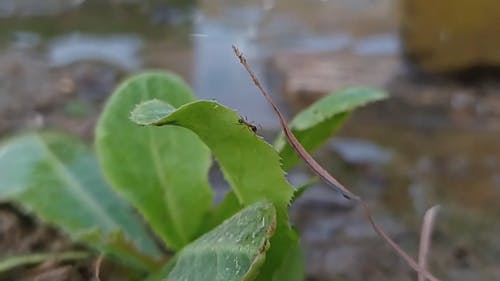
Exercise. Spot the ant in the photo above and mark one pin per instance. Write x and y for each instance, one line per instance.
(250, 125)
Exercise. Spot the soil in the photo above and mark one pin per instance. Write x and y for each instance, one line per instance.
(20, 235)
(67, 99)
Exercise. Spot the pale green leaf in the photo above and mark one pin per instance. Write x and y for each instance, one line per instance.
(58, 179)
(30, 259)
(233, 251)
(316, 124)
(162, 172)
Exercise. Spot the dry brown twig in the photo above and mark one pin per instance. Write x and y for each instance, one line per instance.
(325, 176)
(425, 239)
(97, 267)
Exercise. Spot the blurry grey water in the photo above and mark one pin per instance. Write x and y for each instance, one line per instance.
(206, 32)
(118, 50)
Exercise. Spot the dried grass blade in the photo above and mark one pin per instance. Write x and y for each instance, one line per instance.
(425, 239)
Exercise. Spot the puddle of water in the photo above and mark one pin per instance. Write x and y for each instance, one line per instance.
(218, 75)
(259, 28)
(117, 50)
(25, 39)
(29, 8)
(378, 45)
(360, 152)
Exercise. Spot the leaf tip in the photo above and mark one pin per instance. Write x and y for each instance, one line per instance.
(150, 112)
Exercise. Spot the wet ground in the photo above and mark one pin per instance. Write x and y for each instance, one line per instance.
(434, 142)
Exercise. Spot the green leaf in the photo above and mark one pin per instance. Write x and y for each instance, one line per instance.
(287, 259)
(249, 164)
(303, 188)
(57, 178)
(316, 124)
(160, 274)
(233, 251)
(292, 266)
(162, 172)
(16, 261)
(229, 206)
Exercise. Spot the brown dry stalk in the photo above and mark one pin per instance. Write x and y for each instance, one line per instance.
(97, 267)
(294, 142)
(425, 238)
(325, 176)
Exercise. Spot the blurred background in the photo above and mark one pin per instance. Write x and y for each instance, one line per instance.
(435, 141)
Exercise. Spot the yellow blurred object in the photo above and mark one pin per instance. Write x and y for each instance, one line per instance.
(451, 35)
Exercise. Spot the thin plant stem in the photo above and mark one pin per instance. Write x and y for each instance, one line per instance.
(325, 176)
